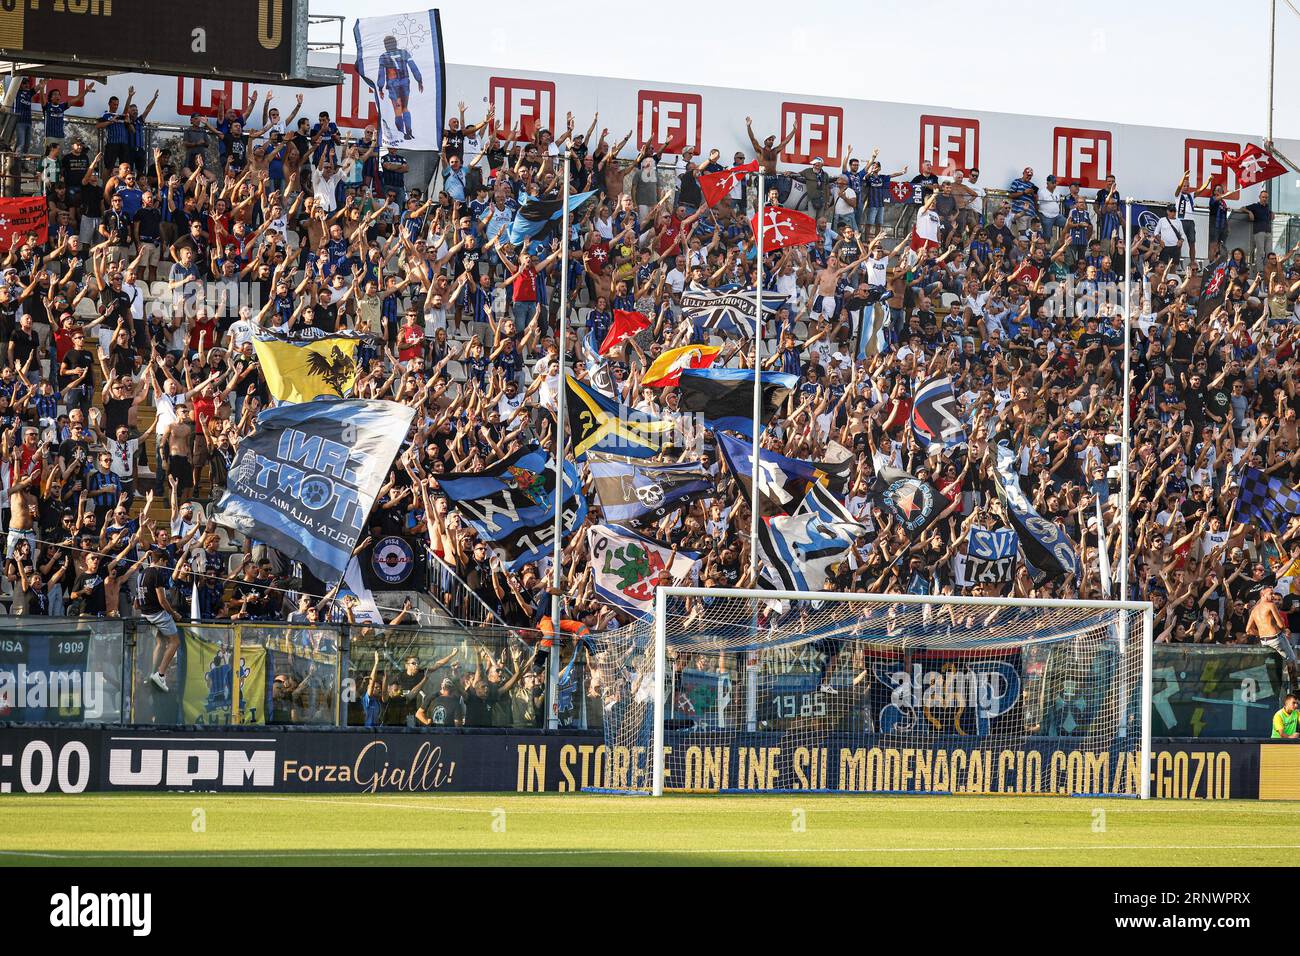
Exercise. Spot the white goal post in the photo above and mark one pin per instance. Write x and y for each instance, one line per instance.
(878, 693)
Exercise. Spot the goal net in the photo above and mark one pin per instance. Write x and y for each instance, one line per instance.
(770, 691)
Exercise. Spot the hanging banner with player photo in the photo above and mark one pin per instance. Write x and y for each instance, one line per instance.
(991, 556)
(400, 58)
(210, 674)
(305, 481)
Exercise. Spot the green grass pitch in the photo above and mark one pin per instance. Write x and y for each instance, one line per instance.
(486, 829)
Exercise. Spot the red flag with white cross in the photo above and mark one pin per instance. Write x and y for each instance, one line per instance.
(717, 186)
(784, 227)
(1255, 165)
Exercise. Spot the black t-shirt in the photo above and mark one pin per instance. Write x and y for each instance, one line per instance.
(24, 343)
(153, 579)
(93, 601)
(149, 219)
(78, 359)
(453, 142)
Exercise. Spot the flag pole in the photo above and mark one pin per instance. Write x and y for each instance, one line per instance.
(1125, 394)
(553, 659)
(751, 668)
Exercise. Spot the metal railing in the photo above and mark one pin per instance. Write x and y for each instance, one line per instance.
(97, 671)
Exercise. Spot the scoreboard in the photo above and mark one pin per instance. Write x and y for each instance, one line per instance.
(262, 40)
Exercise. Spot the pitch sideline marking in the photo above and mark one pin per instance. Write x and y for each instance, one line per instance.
(258, 854)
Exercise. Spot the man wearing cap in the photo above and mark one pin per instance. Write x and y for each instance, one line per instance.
(1050, 213)
(815, 184)
(1170, 233)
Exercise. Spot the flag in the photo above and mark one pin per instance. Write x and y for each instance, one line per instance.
(302, 371)
(1254, 165)
(666, 370)
(799, 551)
(991, 556)
(597, 423)
(210, 674)
(725, 396)
(400, 59)
(1266, 501)
(196, 612)
(925, 231)
(631, 490)
(935, 421)
(1214, 285)
(536, 215)
(364, 608)
(23, 216)
(626, 567)
(511, 504)
(781, 480)
(717, 186)
(784, 227)
(913, 503)
(304, 482)
(1103, 554)
(625, 325)
(1047, 547)
(727, 311)
(599, 375)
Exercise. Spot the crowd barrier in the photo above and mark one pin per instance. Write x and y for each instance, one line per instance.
(93, 671)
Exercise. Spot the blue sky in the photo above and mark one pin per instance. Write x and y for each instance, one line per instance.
(1182, 64)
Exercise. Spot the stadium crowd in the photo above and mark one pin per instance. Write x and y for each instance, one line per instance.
(131, 378)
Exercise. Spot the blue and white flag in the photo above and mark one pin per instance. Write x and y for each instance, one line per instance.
(535, 216)
(1047, 548)
(725, 396)
(1266, 501)
(781, 480)
(305, 481)
(798, 551)
(631, 490)
(991, 556)
(936, 422)
(724, 312)
(400, 59)
(512, 504)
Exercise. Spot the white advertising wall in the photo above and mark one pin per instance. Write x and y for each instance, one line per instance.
(1146, 160)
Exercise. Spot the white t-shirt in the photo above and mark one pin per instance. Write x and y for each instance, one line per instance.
(877, 271)
(842, 208)
(1049, 204)
(167, 408)
(676, 280)
(240, 331)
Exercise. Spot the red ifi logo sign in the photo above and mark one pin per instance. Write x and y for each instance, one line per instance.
(210, 97)
(526, 104)
(354, 103)
(1082, 156)
(1208, 159)
(950, 142)
(818, 131)
(670, 121)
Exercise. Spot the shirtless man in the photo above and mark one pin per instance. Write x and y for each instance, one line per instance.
(824, 283)
(767, 151)
(178, 439)
(23, 509)
(1269, 624)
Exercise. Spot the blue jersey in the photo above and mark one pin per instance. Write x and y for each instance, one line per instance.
(54, 119)
(877, 191)
(23, 105)
(115, 131)
(396, 69)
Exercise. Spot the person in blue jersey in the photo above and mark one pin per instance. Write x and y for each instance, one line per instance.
(396, 68)
(112, 125)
